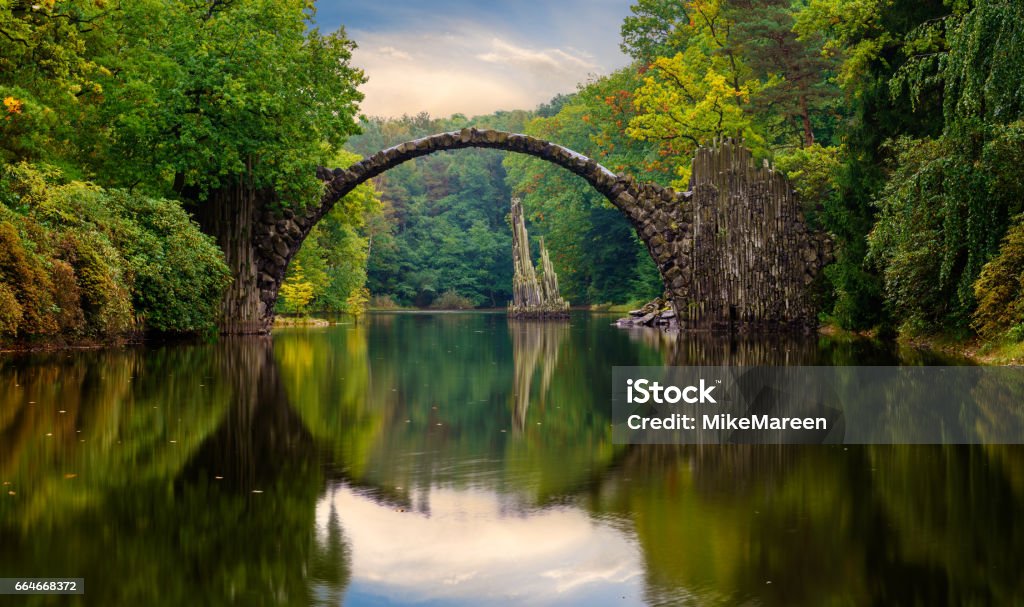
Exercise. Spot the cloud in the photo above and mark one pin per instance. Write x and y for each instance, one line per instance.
(552, 59)
(391, 51)
(464, 67)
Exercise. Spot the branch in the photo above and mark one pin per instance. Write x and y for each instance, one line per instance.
(13, 39)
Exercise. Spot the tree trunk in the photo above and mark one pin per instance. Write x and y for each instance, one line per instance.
(805, 117)
(229, 215)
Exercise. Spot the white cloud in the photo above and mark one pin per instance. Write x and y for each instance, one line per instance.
(548, 59)
(391, 51)
(463, 68)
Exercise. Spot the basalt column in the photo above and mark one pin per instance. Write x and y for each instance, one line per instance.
(751, 256)
(532, 298)
(230, 216)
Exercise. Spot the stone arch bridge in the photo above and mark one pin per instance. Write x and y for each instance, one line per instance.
(733, 252)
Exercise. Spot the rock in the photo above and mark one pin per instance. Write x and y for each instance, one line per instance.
(280, 247)
(645, 319)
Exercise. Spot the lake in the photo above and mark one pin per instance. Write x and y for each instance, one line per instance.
(463, 459)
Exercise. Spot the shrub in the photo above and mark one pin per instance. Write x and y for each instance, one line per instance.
(179, 272)
(450, 300)
(1000, 290)
(79, 260)
(27, 284)
(383, 302)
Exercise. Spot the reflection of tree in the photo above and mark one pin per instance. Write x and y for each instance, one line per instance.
(857, 525)
(78, 426)
(437, 386)
(1000, 395)
(535, 345)
(159, 527)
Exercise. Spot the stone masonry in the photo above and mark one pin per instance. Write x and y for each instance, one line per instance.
(733, 252)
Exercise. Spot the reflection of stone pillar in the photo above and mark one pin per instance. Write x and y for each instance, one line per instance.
(532, 298)
(701, 348)
(533, 345)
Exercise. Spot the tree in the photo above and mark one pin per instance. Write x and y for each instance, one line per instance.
(49, 74)
(734, 68)
(958, 191)
(656, 28)
(867, 39)
(229, 106)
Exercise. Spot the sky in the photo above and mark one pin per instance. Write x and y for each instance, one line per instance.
(475, 57)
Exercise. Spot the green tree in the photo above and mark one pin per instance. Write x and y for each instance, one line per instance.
(229, 106)
(867, 39)
(594, 249)
(955, 193)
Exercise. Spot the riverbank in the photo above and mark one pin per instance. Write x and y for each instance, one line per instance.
(53, 345)
(300, 321)
(974, 349)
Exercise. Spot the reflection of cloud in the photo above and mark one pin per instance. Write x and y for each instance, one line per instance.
(463, 68)
(474, 548)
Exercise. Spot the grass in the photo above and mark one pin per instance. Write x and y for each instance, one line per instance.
(623, 308)
(299, 321)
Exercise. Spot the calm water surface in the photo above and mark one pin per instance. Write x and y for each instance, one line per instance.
(458, 459)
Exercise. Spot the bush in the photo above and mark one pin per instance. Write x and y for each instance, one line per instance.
(80, 261)
(27, 289)
(1000, 290)
(450, 300)
(179, 272)
(383, 302)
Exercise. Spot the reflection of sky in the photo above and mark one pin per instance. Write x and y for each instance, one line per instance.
(449, 56)
(473, 549)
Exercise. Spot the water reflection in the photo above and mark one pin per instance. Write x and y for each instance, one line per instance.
(473, 547)
(535, 347)
(184, 478)
(399, 462)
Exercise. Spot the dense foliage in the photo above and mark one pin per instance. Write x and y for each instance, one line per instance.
(329, 272)
(78, 261)
(443, 226)
(950, 198)
(150, 101)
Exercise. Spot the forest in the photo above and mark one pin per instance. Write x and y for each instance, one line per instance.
(899, 122)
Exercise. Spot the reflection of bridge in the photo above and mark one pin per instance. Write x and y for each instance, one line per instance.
(733, 251)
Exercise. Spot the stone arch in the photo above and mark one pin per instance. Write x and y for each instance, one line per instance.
(278, 238)
(674, 227)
